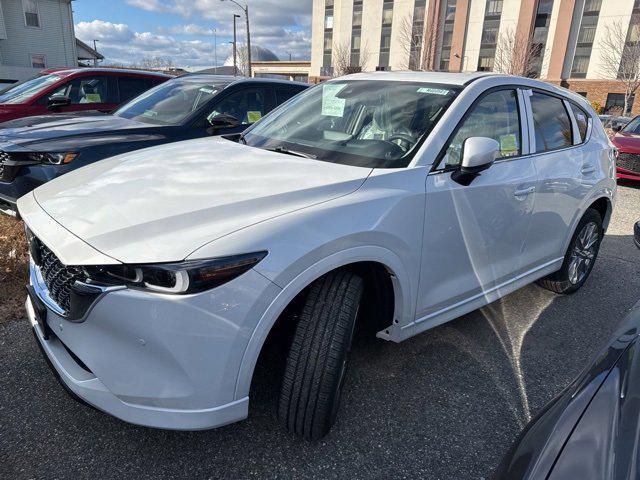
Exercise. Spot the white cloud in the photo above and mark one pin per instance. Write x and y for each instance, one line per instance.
(119, 44)
(280, 25)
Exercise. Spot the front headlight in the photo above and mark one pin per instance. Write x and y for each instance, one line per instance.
(61, 158)
(191, 276)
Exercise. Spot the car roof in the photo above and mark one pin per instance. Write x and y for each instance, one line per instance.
(448, 78)
(230, 79)
(66, 71)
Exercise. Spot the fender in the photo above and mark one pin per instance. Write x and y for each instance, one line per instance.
(602, 192)
(404, 302)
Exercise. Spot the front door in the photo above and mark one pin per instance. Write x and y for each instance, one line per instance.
(474, 235)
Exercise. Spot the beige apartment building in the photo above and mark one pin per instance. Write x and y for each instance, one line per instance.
(468, 35)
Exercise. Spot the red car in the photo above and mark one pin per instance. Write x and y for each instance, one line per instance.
(627, 141)
(74, 90)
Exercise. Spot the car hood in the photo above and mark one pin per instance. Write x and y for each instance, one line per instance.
(160, 204)
(627, 142)
(50, 132)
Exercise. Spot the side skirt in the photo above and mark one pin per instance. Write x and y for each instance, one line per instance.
(398, 334)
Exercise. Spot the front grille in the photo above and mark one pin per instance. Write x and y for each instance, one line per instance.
(58, 278)
(629, 161)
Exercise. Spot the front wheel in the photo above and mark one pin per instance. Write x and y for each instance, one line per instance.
(580, 256)
(317, 360)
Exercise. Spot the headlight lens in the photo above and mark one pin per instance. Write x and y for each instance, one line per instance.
(191, 276)
(53, 158)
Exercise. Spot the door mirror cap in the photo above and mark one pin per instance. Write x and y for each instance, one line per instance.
(479, 153)
(223, 120)
(57, 101)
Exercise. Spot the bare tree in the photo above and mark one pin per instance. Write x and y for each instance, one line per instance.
(156, 63)
(620, 56)
(346, 61)
(242, 59)
(418, 43)
(516, 54)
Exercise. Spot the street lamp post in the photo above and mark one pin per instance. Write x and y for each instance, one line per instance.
(215, 49)
(95, 47)
(245, 9)
(235, 43)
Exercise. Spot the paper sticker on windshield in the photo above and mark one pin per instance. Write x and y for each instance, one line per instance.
(207, 90)
(433, 91)
(93, 97)
(254, 116)
(508, 144)
(331, 105)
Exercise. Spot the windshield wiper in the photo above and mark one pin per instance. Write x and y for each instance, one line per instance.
(295, 153)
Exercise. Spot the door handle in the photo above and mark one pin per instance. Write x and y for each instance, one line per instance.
(524, 192)
(587, 169)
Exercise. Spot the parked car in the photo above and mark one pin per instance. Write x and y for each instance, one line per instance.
(590, 431)
(627, 141)
(402, 200)
(36, 150)
(66, 90)
(616, 123)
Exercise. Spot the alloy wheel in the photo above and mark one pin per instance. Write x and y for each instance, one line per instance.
(584, 252)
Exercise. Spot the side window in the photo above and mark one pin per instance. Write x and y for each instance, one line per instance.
(85, 90)
(582, 119)
(284, 94)
(495, 116)
(130, 87)
(551, 122)
(248, 106)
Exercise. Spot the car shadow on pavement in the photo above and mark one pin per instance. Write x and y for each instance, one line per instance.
(447, 403)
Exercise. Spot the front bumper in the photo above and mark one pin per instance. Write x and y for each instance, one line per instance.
(627, 174)
(159, 360)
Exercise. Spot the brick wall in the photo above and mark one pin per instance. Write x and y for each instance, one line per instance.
(597, 90)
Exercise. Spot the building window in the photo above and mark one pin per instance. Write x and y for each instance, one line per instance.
(326, 69)
(357, 14)
(615, 104)
(485, 64)
(38, 61)
(586, 35)
(385, 36)
(540, 34)
(31, 16)
(416, 34)
(494, 8)
(580, 66)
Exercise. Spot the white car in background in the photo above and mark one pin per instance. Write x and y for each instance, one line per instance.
(400, 200)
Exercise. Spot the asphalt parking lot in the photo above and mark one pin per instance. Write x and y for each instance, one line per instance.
(446, 404)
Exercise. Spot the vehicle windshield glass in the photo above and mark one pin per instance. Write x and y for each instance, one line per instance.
(171, 102)
(633, 126)
(368, 123)
(24, 91)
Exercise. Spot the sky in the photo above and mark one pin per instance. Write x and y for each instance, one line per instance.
(129, 31)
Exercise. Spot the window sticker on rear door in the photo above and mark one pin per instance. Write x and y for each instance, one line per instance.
(92, 97)
(332, 106)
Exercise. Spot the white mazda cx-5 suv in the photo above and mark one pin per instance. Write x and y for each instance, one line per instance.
(398, 201)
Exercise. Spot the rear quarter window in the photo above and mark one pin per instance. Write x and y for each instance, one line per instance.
(551, 122)
(582, 120)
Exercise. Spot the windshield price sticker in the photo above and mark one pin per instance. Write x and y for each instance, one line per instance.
(207, 90)
(433, 91)
(331, 105)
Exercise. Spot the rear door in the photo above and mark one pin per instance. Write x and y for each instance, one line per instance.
(130, 87)
(474, 234)
(563, 175)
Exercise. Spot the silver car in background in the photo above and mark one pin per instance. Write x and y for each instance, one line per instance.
(398, 200)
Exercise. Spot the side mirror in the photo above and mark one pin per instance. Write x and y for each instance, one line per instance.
(56, 101)
(223, 120)
(478, 154)
(617, 128)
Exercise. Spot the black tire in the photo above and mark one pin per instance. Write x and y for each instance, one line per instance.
(560, 282)
(317, 360)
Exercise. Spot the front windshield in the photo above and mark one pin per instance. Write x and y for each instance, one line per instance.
(171, 102)
(633, 126)
(369, 123)
(24, 91)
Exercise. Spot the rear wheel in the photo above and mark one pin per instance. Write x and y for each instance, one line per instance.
(580, 257)
(317, 360)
